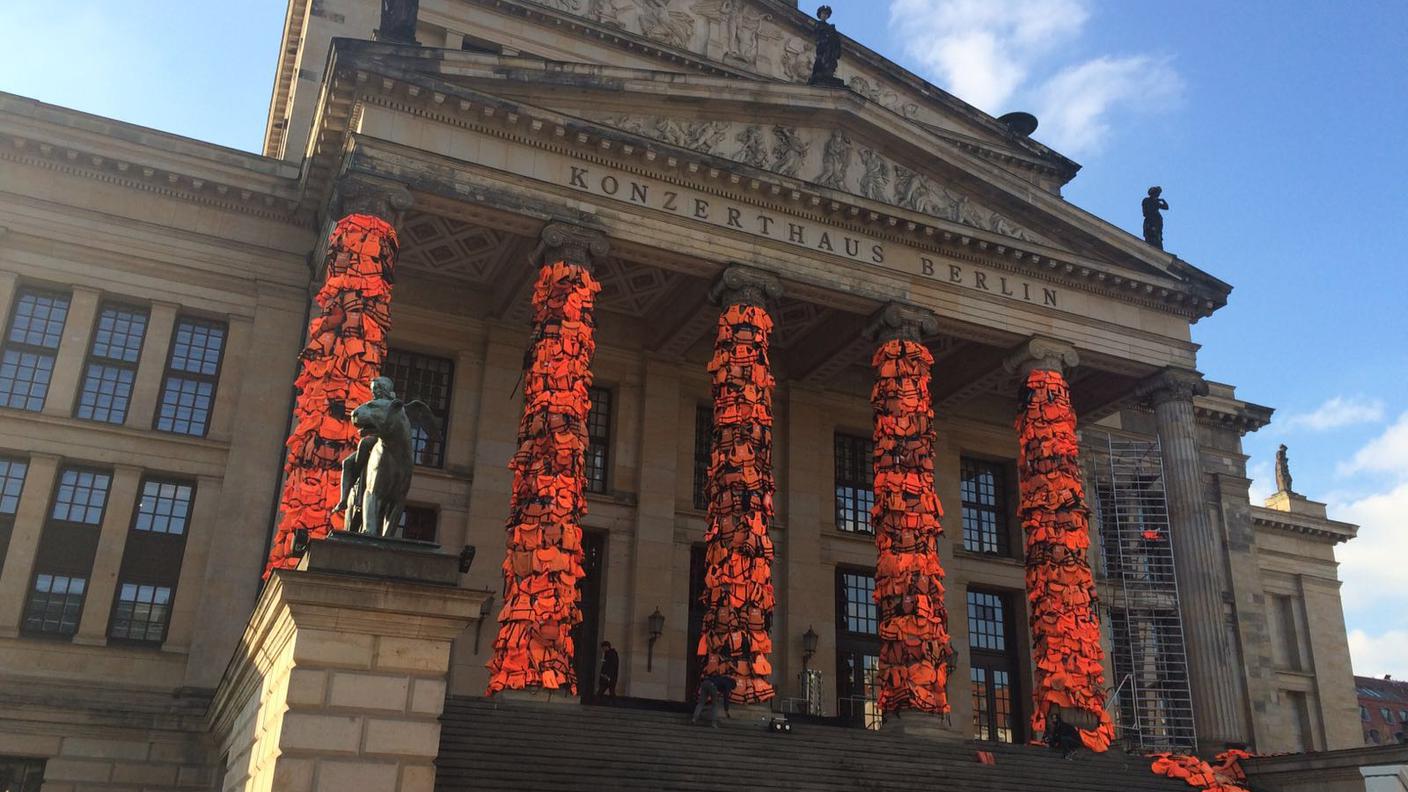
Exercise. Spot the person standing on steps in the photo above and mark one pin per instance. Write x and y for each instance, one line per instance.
(715, 690)
(610, 670)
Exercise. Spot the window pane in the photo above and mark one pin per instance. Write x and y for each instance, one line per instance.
(185, 406)
(81, 496)
(598, 439)
(55, 604)
(430, 380)
(106, 392)
(982, 490)
(12, 473)
(986, 621)
(24, 379)
(419, 523)
(858, 610)
(119, 333)
(38, 318)
(164, 507)
(982, 716)
(197, 346)
(188, 392)
(141, 612)
(855, 481)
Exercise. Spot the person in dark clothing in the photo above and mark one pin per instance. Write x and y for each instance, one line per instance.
(610, 670)
(1062, 736)
(714, 690)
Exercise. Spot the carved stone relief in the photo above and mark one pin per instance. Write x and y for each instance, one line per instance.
(882, 96)
(735, 29)
(824, 157)
(658, 20)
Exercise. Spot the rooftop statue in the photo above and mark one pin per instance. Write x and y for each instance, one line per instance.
(828, 51)
(377, 476)
(1283, 470)
(1153, 221)
(398, 21)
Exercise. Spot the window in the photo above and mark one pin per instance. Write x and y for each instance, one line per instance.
(994, 667)
(112, 364)
(1387, 714)
(188, 392)
(1285, 647)
(858, 612)
(598, 439)
(703, 448)
(983, 491)
(1363, 712)
(428, 379)
(1374, 736)
(21, 775)
(12, 473)
(420, 523)
(31, 346)
(151, 562)
(855, 482)
(1403, 716)
(65, 556)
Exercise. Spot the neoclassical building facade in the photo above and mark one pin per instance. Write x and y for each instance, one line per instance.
(157, 291)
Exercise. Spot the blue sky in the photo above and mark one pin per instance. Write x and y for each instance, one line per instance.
(1275, 129)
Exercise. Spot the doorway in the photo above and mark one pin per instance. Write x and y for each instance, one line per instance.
(586, 636)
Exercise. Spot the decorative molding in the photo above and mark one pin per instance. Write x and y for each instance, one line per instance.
(895, 321)
(744, 285)
(388, 201)
(1171, 384)
(572, 244)
(1040, 353)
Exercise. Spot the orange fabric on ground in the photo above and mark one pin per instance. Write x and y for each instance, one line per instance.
(345, 348)
(738, 591)
(1224, 776)
(909, 581)
(543, 562)
(1060, 589)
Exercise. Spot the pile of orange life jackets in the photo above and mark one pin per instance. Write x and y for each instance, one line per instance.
(1225, 775)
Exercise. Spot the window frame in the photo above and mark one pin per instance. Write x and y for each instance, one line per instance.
(991, 662)
(169, 372)
(24, 347)
(7, 519)
(703, 455)
(433, 509)
(90, 359)
(843, 602)
(1001, 509)
(152, 558)
(408, 390)
(599, 443)
(65, 534)
(856, 486)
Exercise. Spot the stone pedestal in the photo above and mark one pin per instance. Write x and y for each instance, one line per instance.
(921, 725)
(340, 678)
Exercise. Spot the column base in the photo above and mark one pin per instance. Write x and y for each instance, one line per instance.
(538, 695)
(920, 725)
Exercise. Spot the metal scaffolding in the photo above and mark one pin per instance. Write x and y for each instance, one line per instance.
(1125, 489)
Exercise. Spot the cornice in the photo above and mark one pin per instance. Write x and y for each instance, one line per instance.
(354, 85)
(1332, 530)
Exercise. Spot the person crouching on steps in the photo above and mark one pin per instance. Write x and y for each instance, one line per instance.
(610, 671)
(713, 689)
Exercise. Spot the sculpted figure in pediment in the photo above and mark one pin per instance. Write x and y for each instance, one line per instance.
(697, 135)
(573, 6)
(662, 23)
(797, 57)
(788, 151)
(754, 148)
(876, 176)
(915, 191)
(735, 27)
(835, 161)
(605, 12)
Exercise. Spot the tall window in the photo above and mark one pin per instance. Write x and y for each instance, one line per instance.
(857, 647)
(31, 346)
(982, 489)
(21, 775)
(12, 473)
(66, 549)
(420, 523)
(993, 673)
(112, 363)
(598, 439)
(428, 379)
(188, 392)
(1285, 630)
(859, 613)
(855, 482)
(703, 440)
(151, 562)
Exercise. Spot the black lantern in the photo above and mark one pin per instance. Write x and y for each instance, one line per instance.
(655, 622)
(809, 639)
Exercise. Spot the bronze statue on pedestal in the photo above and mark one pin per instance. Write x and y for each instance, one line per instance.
(377, 476)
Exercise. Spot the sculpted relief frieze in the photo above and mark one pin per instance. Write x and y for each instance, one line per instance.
(826, 157)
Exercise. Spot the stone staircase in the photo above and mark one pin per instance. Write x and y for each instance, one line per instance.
(557, 748)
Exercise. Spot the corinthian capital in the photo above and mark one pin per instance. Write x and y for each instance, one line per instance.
(896, 321)
(1172, 384)
(386, 200)
(740, 285)
(572, 244)
(1040, 353)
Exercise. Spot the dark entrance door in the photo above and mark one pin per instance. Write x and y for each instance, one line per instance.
(857, 648)
(693, 666)
(586, 636)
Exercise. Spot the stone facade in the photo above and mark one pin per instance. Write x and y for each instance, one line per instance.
(494, 142)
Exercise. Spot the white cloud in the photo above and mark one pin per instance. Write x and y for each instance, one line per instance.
(1263, 479)
(1335, 413)
(1387, 453)
(1075, 105)
(1383, 653)
(986, 51)
(1372, 565)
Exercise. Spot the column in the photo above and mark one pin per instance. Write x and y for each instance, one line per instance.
(909, 578)
(345, 348)
(533, 651)
(156, 348)
(1199, 561)
(1067, 657)
(107, 561)
(738, 587)
(70, 360)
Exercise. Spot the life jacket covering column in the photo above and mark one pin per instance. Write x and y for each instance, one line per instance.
(738, 591)
(543, 562)
(345, 349)
(1062, 603)
(909, 578)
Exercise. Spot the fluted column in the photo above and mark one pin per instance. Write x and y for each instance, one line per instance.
(344, 352)
(1067, 658)
(909, 579)
(738, 590)
(543, 534)
(1199, 561)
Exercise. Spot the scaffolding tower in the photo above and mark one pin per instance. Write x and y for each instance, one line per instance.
(1152, 700)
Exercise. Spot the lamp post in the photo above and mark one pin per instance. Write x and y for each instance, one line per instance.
(656, 624)
(809, 639)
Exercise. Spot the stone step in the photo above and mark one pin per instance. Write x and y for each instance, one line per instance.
(489, 745)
